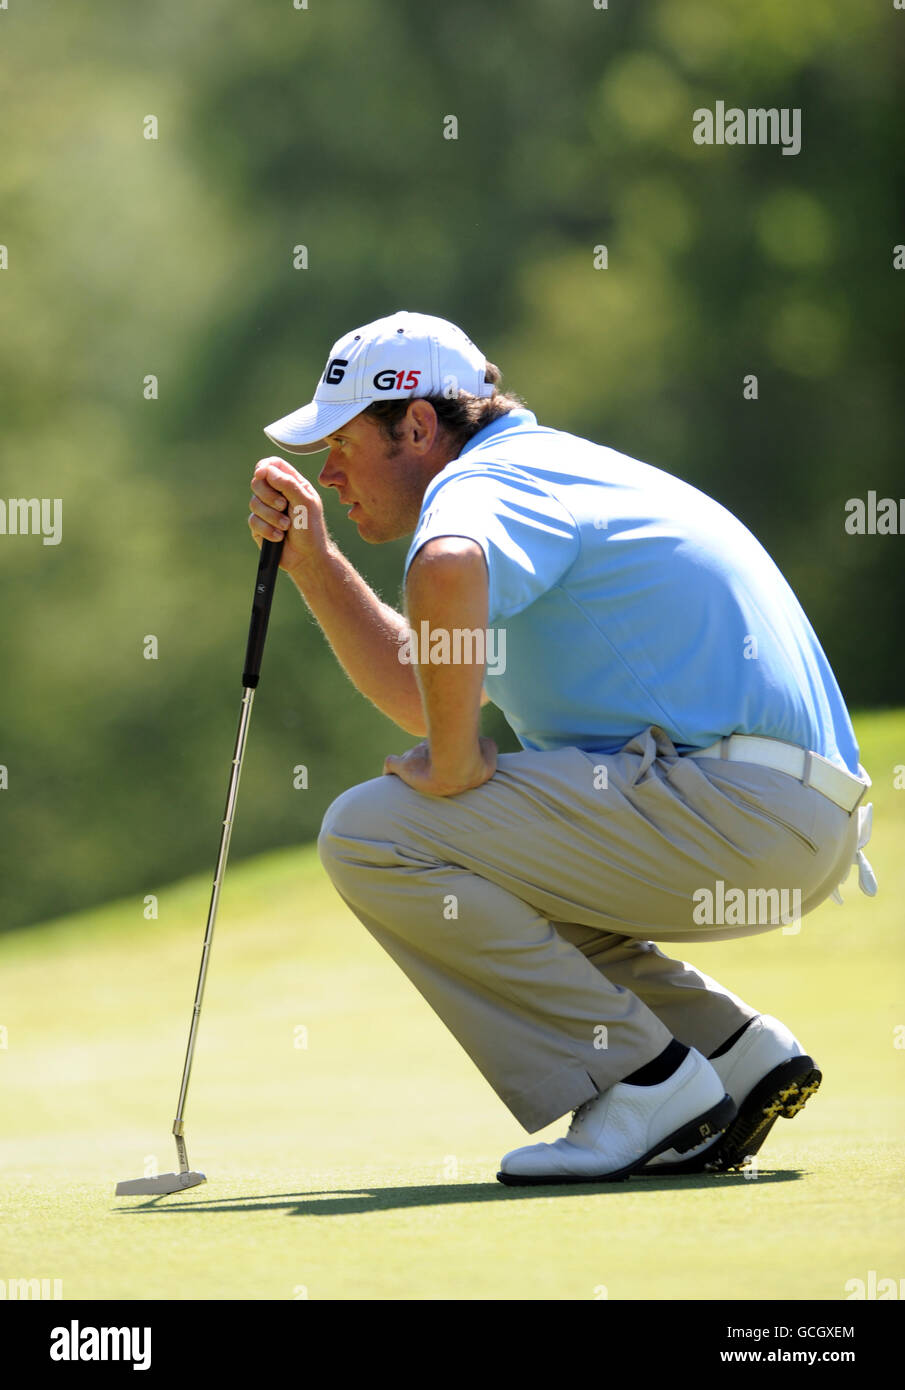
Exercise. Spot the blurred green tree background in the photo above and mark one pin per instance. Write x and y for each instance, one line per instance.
(323, 127)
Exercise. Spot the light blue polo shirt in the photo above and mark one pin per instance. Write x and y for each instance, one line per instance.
(628, 598)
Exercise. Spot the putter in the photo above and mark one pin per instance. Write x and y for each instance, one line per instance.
(268, 568)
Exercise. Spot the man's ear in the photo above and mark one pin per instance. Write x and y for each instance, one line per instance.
(423, 424)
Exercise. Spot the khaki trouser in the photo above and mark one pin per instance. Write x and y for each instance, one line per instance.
(525, 911)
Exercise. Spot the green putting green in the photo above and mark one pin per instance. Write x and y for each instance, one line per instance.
(351, 1146)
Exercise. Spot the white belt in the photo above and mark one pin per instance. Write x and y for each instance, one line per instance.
(813, 770)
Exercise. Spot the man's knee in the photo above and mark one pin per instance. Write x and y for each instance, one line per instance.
(357, 814)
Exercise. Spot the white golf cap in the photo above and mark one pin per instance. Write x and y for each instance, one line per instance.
(396, 358)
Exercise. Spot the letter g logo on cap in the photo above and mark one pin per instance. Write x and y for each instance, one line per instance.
(335, 370)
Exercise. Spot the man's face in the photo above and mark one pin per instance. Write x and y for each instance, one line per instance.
(383, 482)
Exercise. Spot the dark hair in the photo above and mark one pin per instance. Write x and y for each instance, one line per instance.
(459, 416)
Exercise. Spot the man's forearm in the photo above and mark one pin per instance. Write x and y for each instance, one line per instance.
(452, 699)
(447, 591)
(365, 634)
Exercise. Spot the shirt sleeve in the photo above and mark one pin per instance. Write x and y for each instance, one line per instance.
(528, 537)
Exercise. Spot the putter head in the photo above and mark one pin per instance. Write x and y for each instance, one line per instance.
(159, 1186)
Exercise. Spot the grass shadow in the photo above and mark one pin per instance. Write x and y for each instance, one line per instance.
(360, 1201)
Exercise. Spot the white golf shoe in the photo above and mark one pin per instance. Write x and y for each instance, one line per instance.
(618, 1131)
(767, 1073)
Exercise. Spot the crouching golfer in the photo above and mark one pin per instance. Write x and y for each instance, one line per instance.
(689, 771)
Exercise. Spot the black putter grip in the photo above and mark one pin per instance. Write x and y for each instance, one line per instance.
(268, 569)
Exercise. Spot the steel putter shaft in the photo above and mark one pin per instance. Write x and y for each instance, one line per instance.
(268, 568)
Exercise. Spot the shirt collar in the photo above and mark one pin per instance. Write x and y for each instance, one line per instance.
(519, 418)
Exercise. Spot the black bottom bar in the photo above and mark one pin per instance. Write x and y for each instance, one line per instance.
(255, 1338)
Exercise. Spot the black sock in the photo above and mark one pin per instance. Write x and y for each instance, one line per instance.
(661, 1068)
(730, 1042)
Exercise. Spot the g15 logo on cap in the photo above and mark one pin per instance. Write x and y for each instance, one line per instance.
(335, 370)
(397, 381)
